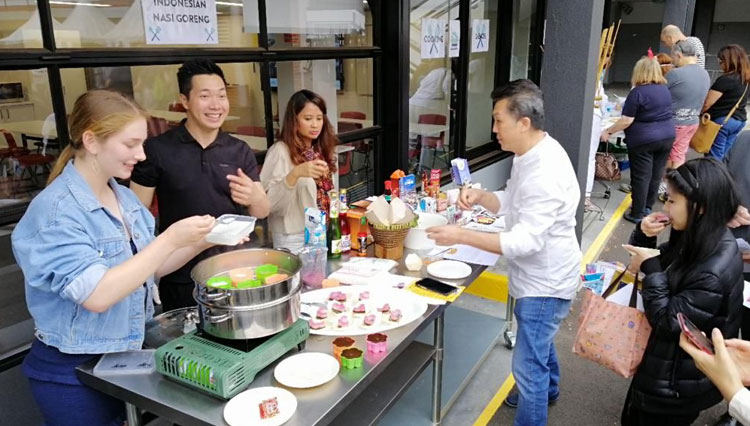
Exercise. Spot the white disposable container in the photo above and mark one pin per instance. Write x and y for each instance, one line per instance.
(417, 239)
(230, 229)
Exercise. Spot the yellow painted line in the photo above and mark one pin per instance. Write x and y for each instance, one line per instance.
(490, 286)
(497, 400)
(592, 253)
(590, 256)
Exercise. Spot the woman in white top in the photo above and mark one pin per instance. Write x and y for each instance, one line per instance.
(728, 369)
(297, 172)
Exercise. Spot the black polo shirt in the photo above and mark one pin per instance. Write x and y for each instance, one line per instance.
(191, 180)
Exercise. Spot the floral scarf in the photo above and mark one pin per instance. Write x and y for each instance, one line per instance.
(323, 184)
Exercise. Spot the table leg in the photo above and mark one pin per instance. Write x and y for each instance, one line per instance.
(133, 415)
(437, 371)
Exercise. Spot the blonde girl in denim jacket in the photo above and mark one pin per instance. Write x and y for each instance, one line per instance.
(89, 257)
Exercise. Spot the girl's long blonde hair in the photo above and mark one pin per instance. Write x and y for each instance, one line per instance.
(102, 112)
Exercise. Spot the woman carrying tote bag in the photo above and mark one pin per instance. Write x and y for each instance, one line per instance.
(725, 104)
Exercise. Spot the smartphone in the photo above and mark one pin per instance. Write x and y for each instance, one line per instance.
(694, 334)
(436, 286)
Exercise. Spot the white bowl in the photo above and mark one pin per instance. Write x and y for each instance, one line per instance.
(417, 239)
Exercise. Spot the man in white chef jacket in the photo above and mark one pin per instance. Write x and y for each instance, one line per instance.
(539, 204)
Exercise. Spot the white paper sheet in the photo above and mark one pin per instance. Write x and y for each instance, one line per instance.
(746, 295)
(622, 297)
(473, 255)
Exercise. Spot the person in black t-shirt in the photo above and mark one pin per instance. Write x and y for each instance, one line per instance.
(196, 169)
(729, 88)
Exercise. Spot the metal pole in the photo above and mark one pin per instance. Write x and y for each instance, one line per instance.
(133, 415)
(437, 371)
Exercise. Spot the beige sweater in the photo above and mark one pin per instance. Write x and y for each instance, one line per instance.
(287, 203)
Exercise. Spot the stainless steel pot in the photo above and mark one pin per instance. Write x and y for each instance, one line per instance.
(247, 313)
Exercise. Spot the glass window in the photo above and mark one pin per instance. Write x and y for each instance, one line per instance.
(155, 89)
(19, 25)
(346, 86)
(481, 78)
(315, 23)
(430, 86)
(28, 149)
(524, 17)
(106, 23)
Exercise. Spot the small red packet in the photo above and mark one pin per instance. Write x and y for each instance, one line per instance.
(269, 408)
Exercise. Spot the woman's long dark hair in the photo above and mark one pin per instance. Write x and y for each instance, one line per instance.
(326, 141)
(712, 202)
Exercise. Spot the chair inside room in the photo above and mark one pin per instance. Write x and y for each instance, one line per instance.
(354, 115)
(177, 107)
(345, 168)
(433, 143)
(251, 131)
(29, 162)
(361, 147)
(157, 126)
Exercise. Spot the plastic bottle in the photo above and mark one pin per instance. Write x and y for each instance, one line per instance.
(388, 191)
(346, 237)
(362, 238)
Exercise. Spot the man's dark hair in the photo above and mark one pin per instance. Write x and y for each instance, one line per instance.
(525, 99)
(194, 67)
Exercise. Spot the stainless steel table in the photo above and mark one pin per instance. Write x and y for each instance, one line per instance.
(359, 396)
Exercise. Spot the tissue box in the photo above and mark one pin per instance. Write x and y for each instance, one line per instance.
(460, 171)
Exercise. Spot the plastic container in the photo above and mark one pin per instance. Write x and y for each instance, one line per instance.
(230, 229)
(314, 260)
(124, 363)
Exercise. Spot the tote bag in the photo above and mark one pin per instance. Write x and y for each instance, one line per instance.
(612, 335)
(704, 137)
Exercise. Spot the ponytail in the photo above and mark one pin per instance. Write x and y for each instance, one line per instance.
(102, 112)
(62, 160)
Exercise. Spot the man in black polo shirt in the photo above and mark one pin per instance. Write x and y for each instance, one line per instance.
(197, 169)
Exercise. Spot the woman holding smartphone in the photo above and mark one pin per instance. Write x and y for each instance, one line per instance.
(697, 274)
(89, 257)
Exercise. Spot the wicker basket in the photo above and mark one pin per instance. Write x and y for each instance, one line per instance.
(389, 240)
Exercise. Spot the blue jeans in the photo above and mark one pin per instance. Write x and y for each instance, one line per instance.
(535, 366)
(725, 139)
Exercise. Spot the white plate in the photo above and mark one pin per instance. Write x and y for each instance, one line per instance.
(306, 370)
(412, 307)
(449, 269)
(243, 409)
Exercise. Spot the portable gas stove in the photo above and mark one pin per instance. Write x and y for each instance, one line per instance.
(222, 367)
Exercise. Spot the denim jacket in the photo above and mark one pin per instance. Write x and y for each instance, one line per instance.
(64, 244)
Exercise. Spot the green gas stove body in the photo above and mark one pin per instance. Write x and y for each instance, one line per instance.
(220, 370)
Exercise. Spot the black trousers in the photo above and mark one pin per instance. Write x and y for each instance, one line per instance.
(634, 416)
(175, 295)
(647, 163)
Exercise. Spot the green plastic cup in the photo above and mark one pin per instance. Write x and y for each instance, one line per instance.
(264, 271)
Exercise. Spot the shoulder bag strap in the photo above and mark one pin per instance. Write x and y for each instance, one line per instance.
(737, 105)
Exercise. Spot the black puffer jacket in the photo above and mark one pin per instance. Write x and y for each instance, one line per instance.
(710, 295)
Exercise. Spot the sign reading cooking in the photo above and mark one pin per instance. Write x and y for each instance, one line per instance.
(180, 21)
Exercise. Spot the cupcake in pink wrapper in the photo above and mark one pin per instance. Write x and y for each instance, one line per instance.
(385, 308)
(338, 307)
(377, 342)
(369, 320)
(395, 315)
(317, 325)
(322, 313)
(359, 309)
(343, 322)
(364, 295)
